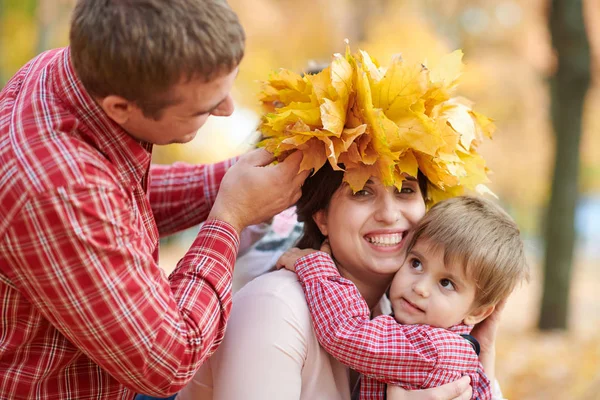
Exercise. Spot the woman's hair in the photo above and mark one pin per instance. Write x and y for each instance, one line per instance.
(317, 192)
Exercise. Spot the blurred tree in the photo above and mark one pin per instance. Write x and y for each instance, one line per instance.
(568, 91)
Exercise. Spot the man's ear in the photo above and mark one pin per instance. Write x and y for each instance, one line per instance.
(117, 108)
(478, 314)
(320, 218)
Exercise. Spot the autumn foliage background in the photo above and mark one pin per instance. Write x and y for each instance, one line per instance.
(508, 59)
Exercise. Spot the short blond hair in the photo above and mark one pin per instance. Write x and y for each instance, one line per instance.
(480, 236)
(139, 49)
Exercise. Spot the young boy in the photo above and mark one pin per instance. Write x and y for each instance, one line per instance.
(462, 258)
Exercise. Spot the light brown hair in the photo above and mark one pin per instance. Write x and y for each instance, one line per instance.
(480, 236)
(139, 49)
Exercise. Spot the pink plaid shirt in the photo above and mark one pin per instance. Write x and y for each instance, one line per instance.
(86, 311)
(384, 351)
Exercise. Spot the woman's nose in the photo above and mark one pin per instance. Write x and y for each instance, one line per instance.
(388, 211)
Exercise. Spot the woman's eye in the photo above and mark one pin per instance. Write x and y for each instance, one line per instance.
(360, 193)
(416, 264)
(447, 284)
(406, 189)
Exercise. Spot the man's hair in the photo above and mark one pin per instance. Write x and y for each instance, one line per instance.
(139, 49)
(480, 236)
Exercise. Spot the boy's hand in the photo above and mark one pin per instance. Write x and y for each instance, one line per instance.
(289, 258)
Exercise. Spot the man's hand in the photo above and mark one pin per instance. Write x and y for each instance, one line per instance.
(289, 258)
(252, 191)
(457, 390)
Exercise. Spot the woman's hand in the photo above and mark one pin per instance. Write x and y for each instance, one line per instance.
(457, 390)
(485, 332)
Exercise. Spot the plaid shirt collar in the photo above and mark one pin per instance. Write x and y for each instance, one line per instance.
(131, 155)
(461, 329)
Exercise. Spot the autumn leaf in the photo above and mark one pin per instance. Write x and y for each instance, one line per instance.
(386, 122)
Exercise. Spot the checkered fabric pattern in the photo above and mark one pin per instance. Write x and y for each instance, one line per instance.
(384, 351)
(86, 311)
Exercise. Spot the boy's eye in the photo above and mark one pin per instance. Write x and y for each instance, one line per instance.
(447, 284)
(416, 264)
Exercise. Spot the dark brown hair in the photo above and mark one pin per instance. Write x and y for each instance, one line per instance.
(481, 237)
(317, 192)
(139, 49)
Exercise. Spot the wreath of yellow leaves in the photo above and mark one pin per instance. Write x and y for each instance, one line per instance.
(383, 122)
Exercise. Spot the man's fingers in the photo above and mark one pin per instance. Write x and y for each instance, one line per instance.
(295, 158)
(258, 157)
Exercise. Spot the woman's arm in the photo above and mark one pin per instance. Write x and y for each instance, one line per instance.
(261, 356)
(485, 332)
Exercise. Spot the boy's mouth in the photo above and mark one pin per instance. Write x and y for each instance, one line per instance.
(411, 306)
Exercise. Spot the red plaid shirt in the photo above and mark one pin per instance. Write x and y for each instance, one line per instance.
(86, 311)
(384, 351)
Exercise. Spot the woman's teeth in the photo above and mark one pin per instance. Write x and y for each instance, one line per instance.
(385, 240)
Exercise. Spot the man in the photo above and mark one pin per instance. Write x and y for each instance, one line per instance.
(86, 311)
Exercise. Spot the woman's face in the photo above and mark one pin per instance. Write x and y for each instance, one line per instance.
(366, 229)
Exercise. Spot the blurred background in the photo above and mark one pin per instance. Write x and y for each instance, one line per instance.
(532, 70)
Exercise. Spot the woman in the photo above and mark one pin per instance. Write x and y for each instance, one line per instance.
(270, 350)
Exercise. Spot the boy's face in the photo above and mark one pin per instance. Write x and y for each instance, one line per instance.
(425, 291)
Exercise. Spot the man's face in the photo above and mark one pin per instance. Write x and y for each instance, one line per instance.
(180, 122)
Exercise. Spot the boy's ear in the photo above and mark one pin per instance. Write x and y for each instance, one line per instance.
(479, 314)
(320, 218)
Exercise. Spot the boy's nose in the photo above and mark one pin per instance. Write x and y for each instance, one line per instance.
(420, 288)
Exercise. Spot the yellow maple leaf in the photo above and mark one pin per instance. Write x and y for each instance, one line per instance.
(401, 87)
(372, 121)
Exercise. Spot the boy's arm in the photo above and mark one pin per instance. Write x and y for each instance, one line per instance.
(380, 348)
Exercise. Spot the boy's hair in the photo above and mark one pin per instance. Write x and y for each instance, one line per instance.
(480, 236)
(139, 49)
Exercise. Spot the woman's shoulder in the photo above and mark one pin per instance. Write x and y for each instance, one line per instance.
(276, 299)
(278, 291)
(281, 284)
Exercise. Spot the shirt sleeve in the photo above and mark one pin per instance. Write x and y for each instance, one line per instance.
(261, 357)
(84, 261)
(379, 348)
(181, 195)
